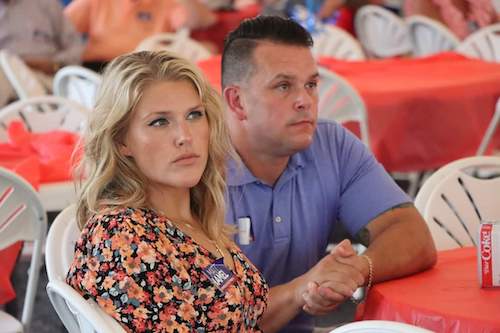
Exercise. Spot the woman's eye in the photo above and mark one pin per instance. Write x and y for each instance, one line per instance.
(195, 114)
(158, 122)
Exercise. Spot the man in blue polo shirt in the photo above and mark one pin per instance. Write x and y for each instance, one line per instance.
(302, 177)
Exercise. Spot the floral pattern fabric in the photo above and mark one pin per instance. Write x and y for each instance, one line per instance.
(148, 275)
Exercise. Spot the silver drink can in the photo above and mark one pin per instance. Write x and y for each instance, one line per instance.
(488, 254)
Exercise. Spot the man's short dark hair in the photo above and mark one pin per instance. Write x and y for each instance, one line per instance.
(240, 43)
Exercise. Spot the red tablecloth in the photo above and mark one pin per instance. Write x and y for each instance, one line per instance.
(226, 22)
(446, 298)
(39, 158)
(424, 113)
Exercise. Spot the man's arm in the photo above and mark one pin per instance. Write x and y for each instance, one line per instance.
(400, 243)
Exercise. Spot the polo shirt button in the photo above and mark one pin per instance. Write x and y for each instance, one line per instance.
(277, 219)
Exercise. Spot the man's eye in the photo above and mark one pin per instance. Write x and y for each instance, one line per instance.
(283, 86)
(195, 115)
(312, 85)
(158, 122)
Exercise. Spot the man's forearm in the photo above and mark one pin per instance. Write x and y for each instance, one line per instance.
(400, 245)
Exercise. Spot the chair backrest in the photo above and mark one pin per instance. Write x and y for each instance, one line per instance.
(60, 245)
(21, 77)
(429, 36)
(42, 114)
(334, 42)
(339, 101)
(483, 44)
(179, 43)
(78, 84)
(379, 326)
(490, 131)
(457, 197)
(22, 218)
(381, 32)
(76, 313)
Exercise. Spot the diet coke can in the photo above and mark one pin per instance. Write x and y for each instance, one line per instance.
(488, 254)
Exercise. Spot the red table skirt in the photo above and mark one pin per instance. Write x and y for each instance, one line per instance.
(425, 112)
(38, 158)
(446, 298)
(226, 22)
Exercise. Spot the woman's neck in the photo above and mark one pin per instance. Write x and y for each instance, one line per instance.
(173, 203)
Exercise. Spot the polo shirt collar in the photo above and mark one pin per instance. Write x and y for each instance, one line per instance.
(238, 173)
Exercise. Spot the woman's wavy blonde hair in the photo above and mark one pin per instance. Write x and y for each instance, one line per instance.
(108, 179)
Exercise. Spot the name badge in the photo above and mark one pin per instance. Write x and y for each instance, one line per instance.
(219, 274)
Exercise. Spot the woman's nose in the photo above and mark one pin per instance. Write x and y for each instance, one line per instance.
(183, 135)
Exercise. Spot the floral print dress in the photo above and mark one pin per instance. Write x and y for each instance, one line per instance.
(148, 275)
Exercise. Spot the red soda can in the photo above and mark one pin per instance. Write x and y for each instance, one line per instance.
(488, 254)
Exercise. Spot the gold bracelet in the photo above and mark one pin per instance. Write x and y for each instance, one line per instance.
(370, 280)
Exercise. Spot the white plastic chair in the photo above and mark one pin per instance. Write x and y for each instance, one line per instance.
(483, 44)
(379, 326)
(339, 101)
(382, 33)
(76, 313)
(42, 114)
(60, 245)
(21, 77)
(490, 130)
(334, 42)
(429, 36)
(179, 43)
(78, 84)
(22, 218)
(456, 198)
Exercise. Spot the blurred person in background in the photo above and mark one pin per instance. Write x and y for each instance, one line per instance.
(462, 17)
(39, 33)
(116, 27)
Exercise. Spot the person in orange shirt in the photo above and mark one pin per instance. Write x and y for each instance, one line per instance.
(116, 27)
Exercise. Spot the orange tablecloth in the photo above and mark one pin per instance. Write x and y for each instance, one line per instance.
(226, 22)
(39, 158)
(424, 113)
(446, 298)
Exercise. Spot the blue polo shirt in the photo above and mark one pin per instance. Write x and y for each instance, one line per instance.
(335, 180)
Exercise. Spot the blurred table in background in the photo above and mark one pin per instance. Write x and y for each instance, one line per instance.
(425, 112)
(445, 299)
(226, 22)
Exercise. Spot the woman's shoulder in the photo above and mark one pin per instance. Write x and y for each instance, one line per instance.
(112, 219)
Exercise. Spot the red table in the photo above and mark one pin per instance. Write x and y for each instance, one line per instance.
(422, 113)
(426, 112)
(39, 158)
(226, 22)
(446, 298)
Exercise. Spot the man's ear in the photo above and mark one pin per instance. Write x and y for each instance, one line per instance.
(233, 98)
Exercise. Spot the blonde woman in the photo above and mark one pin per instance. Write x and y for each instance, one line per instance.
(154, 252)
